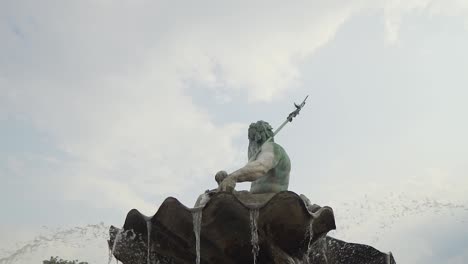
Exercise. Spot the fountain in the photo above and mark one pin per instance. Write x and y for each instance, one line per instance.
(235, 227)
(268, 224)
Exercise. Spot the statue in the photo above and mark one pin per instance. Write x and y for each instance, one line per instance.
(268, 167)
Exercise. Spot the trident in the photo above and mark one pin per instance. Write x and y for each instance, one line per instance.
(290, 117)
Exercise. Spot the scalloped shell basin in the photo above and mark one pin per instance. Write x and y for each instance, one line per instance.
(283, 225)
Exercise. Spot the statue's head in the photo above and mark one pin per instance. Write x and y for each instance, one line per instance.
(259, 132)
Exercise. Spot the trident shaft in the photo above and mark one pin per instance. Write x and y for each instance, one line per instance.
(290, 117)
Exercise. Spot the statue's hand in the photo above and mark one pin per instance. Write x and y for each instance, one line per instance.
(220, 176)
(227, 185)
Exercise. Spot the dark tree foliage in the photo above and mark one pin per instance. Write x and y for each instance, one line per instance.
(56, 260)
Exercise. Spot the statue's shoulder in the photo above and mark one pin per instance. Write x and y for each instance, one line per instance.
(277, 147)
(279, 151)
(268, 146)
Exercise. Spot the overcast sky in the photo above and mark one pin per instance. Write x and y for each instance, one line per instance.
(110, 105)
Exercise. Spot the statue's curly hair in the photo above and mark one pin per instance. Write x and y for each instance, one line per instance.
(260, 131)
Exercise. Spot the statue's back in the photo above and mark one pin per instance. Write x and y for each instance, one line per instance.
(277, 179)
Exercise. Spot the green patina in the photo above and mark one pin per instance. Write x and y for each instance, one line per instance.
(268, 167)
(277, 179)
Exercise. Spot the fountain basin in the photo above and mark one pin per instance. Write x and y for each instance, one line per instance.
(225, 236)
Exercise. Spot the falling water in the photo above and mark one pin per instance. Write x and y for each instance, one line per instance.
(148, 229)
(197, 218)
(254, 233)
(110, 255)
(388, 257)
(310, 234)
(325, 249)
(116, 239)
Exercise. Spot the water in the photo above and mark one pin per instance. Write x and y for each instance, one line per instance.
(325, 249)
(116, 240)
(197, 218)
(202, 200)
(310, 234)
(110, 255)
(254, 233)
(148, 229)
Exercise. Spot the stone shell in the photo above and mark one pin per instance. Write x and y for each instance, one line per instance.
(225, 230)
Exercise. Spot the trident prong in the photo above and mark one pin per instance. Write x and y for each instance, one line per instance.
(296, 112)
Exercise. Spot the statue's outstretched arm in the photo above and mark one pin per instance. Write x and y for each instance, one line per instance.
(257, 168)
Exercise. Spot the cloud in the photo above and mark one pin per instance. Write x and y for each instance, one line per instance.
(262, 54)
(396, 11)
(124, 136)
(109, 84)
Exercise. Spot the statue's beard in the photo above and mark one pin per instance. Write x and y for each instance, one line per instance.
(254, 147)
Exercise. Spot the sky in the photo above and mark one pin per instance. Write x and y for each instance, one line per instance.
(111, 105)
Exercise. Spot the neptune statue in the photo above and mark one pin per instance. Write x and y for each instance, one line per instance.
(268, 167)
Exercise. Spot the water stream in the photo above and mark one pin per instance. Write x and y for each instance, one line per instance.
(110, 255)
(325, 249)
(310, 234)
(148, 229)
(116, 240)
(254, 233)
(197, 218)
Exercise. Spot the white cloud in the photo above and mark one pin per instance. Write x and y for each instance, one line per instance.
(131, 137)
(109, 84)
(397, 10)
(257, 47)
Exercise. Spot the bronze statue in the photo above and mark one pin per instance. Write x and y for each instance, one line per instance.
(268, 167)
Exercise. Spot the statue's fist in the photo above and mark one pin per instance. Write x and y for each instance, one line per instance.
(227, 185)
(220, 176)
